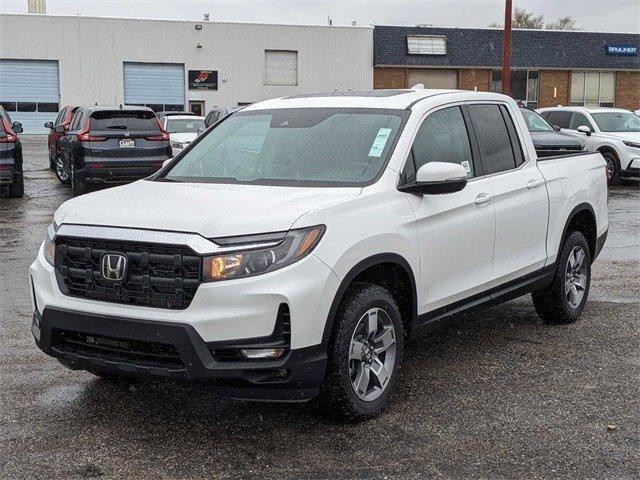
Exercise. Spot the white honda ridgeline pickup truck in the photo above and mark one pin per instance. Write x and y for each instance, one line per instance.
(293, 249)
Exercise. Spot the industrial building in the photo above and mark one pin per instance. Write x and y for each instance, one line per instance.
(48, 61)
(549, 68)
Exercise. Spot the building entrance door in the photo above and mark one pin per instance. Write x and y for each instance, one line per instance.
(197, 107)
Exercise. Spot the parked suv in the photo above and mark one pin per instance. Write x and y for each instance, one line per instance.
(11, 177)
(182, 130)
(293, 249)
(111, 145)
(614, 132)
(548, 140)
(64, 118)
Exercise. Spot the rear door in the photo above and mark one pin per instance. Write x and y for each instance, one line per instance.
(125, 136)
(519, 193)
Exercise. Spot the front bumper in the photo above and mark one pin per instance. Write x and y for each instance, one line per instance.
(114, 345)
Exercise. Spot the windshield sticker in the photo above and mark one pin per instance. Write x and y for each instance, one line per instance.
(380, 141)
(466, 166)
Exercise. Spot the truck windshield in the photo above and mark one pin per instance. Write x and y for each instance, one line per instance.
(535, 123)
(617, 121)
(294, 146)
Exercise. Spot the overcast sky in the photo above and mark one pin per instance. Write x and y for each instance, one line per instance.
(596, 15)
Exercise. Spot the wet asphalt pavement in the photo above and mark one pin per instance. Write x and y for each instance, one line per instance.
(496, 396)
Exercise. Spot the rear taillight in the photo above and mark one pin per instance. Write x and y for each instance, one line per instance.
(11, 136)
(164, 135)
(83, 135)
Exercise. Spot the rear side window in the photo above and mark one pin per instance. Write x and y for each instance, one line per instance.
(442, 137)
(561, 119)
(493, 137)
(124, 120)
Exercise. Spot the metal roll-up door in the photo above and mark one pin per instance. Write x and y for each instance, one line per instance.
(30, 93)
(160, 86)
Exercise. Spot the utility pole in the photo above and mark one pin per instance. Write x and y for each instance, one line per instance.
(506, 50)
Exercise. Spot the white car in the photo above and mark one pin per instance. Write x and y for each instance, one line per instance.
(614, 132)
(295, 248)
(183, 129)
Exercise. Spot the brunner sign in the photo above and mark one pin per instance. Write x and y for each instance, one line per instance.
(203, 80)
(622, 49)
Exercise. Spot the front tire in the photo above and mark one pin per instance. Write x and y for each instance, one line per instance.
(613, 168)
(364, 355)
(564, 299)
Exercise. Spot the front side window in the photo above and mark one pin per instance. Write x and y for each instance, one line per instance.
(617, 121)
(442, 137)
(579, 120)
(294, 146)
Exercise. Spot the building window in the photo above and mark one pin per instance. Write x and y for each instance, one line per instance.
(427, 45)
(593, 88)
(280, 67)
(524, 85)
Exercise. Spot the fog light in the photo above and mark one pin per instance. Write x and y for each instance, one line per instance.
(262, 353)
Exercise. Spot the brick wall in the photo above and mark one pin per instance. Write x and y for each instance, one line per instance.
(550, 79)
(474, 78)
(628, 90)
(389, 77)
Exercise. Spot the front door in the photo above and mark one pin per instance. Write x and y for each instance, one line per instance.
(456, 230)
(197, 107)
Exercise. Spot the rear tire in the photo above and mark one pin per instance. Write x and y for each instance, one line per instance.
(613, 168)
(78, 185)
(564, 299)
(364, 354)
(16, 189)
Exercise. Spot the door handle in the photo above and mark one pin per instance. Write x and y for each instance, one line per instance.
(533, 183)
(482, 198)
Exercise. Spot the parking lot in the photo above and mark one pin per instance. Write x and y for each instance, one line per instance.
(498, 395)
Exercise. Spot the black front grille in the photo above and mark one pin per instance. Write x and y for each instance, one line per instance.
(116, 349)
(157, 275)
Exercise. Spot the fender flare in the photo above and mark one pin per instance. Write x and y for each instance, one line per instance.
(361, 267)
(581, 207)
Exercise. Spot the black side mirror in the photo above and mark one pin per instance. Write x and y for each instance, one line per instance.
(556, 128)
(17, 127)
(59, 129)
(49, 125)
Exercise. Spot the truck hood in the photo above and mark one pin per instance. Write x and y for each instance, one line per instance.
(212, 210)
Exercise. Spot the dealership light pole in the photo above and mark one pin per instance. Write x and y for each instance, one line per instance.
(506, 50)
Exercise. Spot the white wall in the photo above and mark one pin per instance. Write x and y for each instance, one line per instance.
(91, 51)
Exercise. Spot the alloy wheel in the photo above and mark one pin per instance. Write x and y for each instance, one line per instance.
(61, 171)
(372, 354)
(575, 278)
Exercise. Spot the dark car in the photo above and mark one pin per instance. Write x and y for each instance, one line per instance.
(218, 113)
(111, 145)
(64, 118)
(10, 156)
(547, 139)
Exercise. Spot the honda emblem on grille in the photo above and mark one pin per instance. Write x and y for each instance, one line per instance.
(114, 266)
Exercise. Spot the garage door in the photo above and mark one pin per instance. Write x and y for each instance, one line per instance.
(29, 92)
(433, 78)
(157, 85)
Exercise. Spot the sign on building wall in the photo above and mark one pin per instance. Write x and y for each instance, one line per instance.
(622, 50)
(203, 80)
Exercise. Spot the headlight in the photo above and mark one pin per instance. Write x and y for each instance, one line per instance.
(296, 245)
(631, 144)
(175, 144)
(49, 249)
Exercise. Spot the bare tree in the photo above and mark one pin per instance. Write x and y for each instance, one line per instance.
(525, 19)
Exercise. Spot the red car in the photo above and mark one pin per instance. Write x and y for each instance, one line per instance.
(64, 119)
